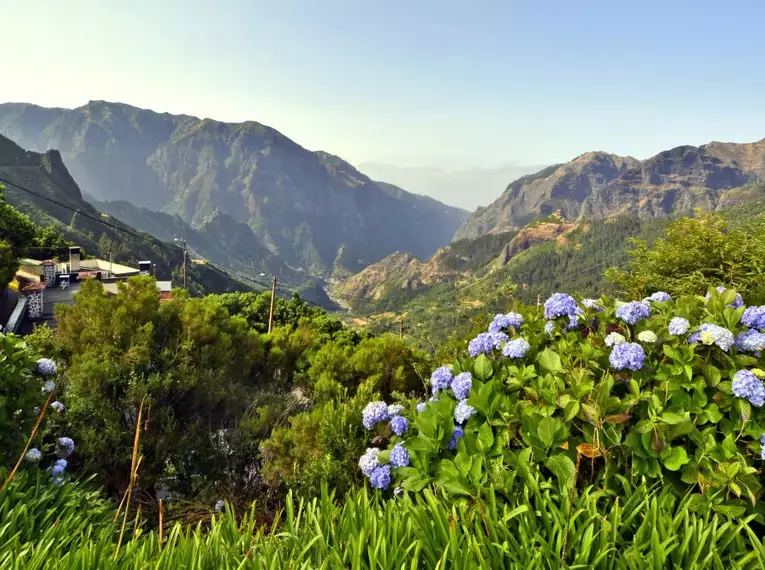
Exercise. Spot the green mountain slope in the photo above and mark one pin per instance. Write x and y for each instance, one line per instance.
(48, 179)
(314, 210)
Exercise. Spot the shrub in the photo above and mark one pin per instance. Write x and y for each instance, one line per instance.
(603, 390)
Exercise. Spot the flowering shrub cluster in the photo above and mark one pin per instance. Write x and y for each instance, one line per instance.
(25, 384)
(659, 388)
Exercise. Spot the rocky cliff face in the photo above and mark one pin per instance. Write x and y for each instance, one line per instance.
(598, 184)
(306, 207)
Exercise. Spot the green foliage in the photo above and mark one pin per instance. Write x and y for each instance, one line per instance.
(16, 233)
(255, 307)
(636, 527)
(20, 393)
(695, 254)
(675, 419)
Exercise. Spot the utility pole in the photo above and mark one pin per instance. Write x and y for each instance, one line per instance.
(273, 301)
(401, 327)
(185, 257)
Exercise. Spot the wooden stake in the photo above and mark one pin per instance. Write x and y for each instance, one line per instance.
(273, 302)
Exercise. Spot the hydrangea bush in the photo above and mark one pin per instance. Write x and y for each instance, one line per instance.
(658, 389)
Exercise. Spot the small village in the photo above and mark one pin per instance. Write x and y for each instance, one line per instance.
(38, 286)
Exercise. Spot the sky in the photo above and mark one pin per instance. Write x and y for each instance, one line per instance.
(453, 84)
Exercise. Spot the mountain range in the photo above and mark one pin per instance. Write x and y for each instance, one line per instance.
(244, 185)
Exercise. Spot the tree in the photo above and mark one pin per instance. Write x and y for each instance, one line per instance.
(696, 254)
(16, 233)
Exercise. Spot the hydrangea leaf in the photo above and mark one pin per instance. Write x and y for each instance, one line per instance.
(563, 468)
(675, 459)
(483, 368)
(546, 431)
(550, 361)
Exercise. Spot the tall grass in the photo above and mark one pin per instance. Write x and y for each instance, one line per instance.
(45, 526)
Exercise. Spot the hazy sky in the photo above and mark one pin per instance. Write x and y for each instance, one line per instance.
(452, 83)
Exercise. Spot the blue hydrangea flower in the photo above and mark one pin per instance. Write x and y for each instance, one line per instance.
(737, 302)
(747, 385)
(58, 467)
(593, 304)
(34, 455)
(502, 322)
(48, 386)
(374, 413)
(713, 334)
(549, 327)
(441, 379)
(58, 406)
(46, 367)
(754, 317)
(65, 446)
(627, 356)
(421, 407)
(560, 305)
(762, 447)
(380, 478)
(573, 323)
(220, 505)
(395, 409)
(456, 436)
(750, 341)
(516, 348)
(658, 297)
(368, 462)
(614, 338)
(482, 344)
(694, 338)
(399, 425)
(678, 326)
(633, 312)
(461, 385)
(498, 339)
(463, 412)
(399, 456)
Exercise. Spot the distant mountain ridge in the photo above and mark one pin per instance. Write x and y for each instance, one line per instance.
(598, 184)
(312, 209)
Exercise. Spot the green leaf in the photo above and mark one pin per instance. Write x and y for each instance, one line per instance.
(563, 468)
(673, 418)
(546, 431)
(384, 456)
(676, 458)
(483, 368)
(485, 437)
(570, 411)
(550, 361)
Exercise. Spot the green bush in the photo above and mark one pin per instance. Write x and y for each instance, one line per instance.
(567, 407)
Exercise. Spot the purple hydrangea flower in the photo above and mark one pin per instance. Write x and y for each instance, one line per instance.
(573, 323)
(482, 344)
(65, 446)
(627, 355)
(399, 456)
(58, 406)
(463, 412)
(658, 297)
(633, 312)
(516, 348)
(46, 367)
(713, 334)
(219, 505)
(560, 305)
(441, 379)
(380, 478)
(593, 304)
(502, 322)
(549, 327)
(461, 385)
(750, 341)
(754, 317)
(368, 462)
(399, 425)
(395, 409)
(737, 302)
(747, 385)
(498, 339)
(421, 407)
(58, 467)
(374, 413)
(456, 436)
(678, 326)
(694, 338)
